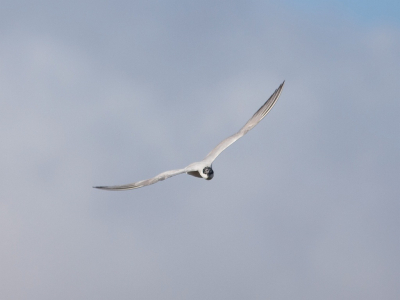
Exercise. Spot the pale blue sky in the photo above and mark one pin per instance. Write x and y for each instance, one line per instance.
(306, 206)
(368, 12)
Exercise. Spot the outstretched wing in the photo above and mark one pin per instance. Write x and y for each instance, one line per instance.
(142, 183)
(255, 119)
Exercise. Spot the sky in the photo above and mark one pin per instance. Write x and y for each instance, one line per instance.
(305, 206)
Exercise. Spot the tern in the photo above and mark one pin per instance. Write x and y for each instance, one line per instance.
(203, 169)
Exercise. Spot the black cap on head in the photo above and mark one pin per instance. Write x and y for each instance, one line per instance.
(208, 171)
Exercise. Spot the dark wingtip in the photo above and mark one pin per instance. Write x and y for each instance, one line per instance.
(281, 86)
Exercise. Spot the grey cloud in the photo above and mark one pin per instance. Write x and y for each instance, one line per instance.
(305, 206)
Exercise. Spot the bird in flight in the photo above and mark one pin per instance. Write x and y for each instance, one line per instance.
(203, 169)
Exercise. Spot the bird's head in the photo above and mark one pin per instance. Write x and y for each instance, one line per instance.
(208, 173)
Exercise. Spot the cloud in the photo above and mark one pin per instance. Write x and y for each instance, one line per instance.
(304, 206)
